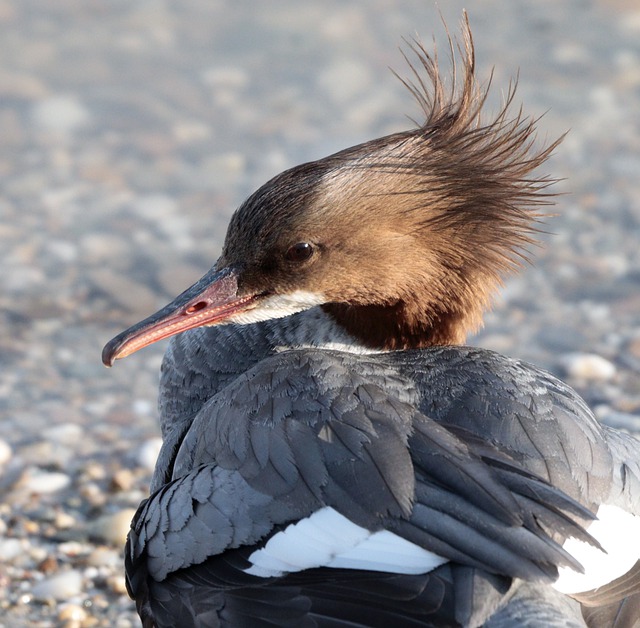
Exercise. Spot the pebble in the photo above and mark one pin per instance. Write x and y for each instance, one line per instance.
(125, 292)
(73, 548)
(117, 584)
(343, 81)
(10, 548)
(48, 565)
(63, 114)
(38, 481)
(64, 520)
(588, 366)
(65, 433)
(147, 453)
(104, 557)
(142, 407)
(113, 528)
(42, 453)
(5, 452)
(59, 587)
(71, 614)
(122, 480)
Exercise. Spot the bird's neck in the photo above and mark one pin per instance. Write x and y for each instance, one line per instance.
(400, 326)
(315, 327)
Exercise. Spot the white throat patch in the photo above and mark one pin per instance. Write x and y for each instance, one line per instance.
(279, 306)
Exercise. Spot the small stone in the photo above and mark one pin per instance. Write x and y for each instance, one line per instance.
(46, 453)
(5, 452)
(124, 292)
(32, 528)
(65, 433)
(63, 520)
(44, 482)
(73, 548)
(91, 573)
(226, 76)
(63, 114)
(634, 347)
(117, 584)
(93, 494)
(59, 587)
(112, 529)
(344, 80)
(148, 453)
(104, 557)
(155, 207)
(103, 248)
(10, 549)
(189, 131)
(71, 614)
(21, 86)
(142, 407)
(122, 480)
(588, 366)
(95, 471)
(38, 553)
(48, 565)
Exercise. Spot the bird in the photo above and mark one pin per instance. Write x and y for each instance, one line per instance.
(333, 453)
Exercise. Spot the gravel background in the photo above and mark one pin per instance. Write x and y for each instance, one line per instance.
(130, 130)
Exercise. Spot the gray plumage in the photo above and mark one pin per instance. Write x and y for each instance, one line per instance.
(447, 447)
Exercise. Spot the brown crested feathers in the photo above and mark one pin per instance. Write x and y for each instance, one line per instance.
(414, 231)
(466, 186)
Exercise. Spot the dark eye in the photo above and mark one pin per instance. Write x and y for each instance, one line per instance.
(299, 252)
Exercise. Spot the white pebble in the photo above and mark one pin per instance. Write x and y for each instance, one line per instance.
(64, 114)
(62, 586)
(112, 528)
(105, 557)
(148, 453)
(5, 452)
(345, 80)
(37, 553)
(10, 548)
(588, 366)
(143, 407)
(71, 614)
(65, 433)
(155, 206)
(116, 583)
(73, 548)
(37, 481)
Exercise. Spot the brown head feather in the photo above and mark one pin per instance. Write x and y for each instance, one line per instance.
(402, 240)
(413, 231)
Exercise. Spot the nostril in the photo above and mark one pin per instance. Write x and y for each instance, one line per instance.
(196, 307)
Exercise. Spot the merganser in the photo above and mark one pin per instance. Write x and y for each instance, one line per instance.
(333, 456)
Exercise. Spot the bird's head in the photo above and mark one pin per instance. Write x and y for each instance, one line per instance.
(401, 240)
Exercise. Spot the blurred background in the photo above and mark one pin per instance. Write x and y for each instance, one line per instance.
(130, 131)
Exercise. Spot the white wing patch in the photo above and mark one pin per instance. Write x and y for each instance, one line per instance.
(618, 531)
(328, 539)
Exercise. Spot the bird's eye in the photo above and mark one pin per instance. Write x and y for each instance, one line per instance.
(299, 252)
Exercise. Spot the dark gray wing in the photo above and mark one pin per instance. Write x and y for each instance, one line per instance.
(535, 418)
(544, 425)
